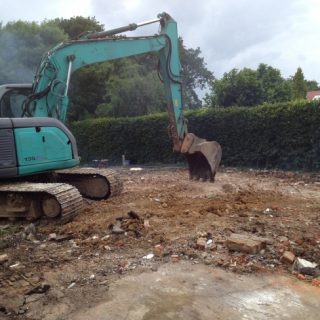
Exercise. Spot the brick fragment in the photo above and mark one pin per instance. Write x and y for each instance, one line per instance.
(287, 257)
(245, 243)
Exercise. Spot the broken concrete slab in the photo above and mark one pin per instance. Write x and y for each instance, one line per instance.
(245, 243)
(302, 263)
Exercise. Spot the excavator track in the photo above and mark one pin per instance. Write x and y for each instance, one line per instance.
(33, 200)
(93, 183)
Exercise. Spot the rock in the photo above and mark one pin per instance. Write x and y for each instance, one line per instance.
(313, 272)
(282, 239)
(268, 211)
(148, 256)
(245, 243)
(316, 282)
(201, 243)
(146, 223)
(301, 276)
(30, 229)
(58, 294)
(16, 266)
(71, 285)
(116, 229)
(33, 298)
(287, 257)
(41, 288)
(3, 258)
(302, 263)
(158, 250)
(133, 215)
(174, 258)
(52, 236)
(63, 237)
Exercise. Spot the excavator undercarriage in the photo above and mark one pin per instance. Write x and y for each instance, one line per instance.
(57, 195)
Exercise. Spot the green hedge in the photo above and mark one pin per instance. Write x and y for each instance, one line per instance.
(285, 135)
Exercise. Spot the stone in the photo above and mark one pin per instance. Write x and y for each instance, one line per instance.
(316, 282)
(117, 228)
(245, 243)
(41, 288)
(282, 239)
(63, 237)
(148, 256)
(33, 298)
(313, 272)
(302, 263)
(201, 243)
(3, 258)
(30, 229)
(287, 257)
(52, 236)
(146, 223)
(158, 250)
(174, 258)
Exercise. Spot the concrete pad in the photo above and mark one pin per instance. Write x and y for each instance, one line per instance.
(191, 292)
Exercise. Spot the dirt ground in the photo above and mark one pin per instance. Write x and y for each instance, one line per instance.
(53, 270)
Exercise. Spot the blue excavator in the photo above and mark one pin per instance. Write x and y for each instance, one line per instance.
(38, 154)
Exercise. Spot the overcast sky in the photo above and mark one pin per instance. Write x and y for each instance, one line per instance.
(231, 33)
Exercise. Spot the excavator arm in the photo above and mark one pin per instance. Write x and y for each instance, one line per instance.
(49, 97)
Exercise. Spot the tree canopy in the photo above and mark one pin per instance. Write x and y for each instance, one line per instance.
(249, 87)
(299, 87)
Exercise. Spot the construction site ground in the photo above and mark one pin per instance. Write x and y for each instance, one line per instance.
(162, 220)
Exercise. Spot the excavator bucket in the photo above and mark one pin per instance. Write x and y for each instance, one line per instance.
(203, 157)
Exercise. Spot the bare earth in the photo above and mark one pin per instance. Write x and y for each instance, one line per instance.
(104, 244)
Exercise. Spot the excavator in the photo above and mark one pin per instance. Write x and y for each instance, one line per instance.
(39, 172)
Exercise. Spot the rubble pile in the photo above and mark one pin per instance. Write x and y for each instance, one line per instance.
(246, 222)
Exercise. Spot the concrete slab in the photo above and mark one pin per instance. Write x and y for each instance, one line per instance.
(191, 292)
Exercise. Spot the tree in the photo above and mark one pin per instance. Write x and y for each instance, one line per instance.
(133, 92)
(236, 88)
(275, 87)
(299, 88)
(249, 87)
(312, 85)
(195, 74)
(78, 25)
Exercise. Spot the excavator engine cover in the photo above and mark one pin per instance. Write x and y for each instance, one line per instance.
(203, 157)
